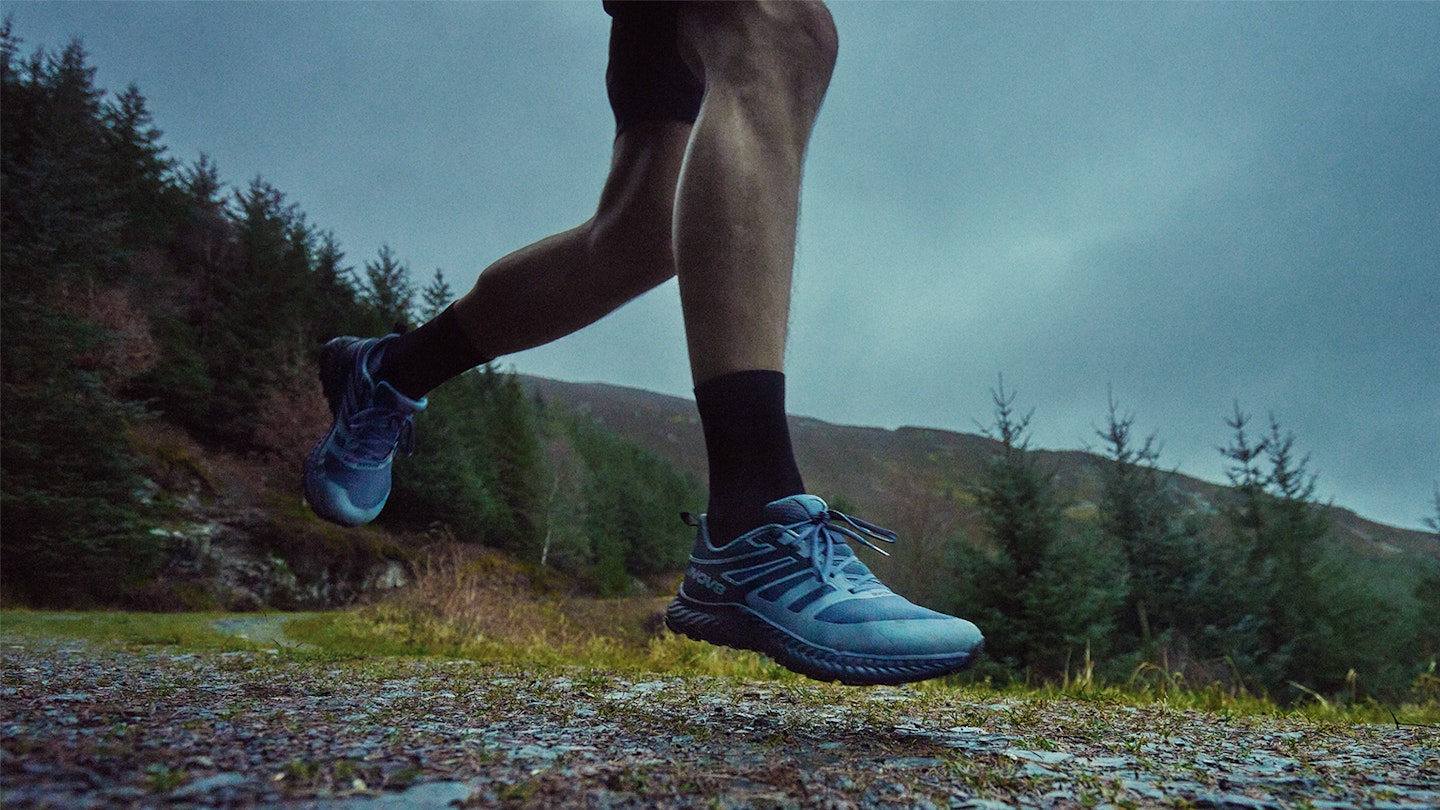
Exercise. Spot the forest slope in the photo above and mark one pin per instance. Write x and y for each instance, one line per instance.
(880, 470)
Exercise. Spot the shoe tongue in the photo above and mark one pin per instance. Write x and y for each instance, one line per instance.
(801, 508)
(795, 509)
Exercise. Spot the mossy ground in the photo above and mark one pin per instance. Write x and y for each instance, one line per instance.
(619, 636)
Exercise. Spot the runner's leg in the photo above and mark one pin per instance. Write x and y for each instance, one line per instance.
(765, 67)
(549, 289)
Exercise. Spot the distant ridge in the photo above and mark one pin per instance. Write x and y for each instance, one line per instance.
(891, 473)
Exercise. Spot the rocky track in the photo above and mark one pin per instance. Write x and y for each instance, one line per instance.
(85, 725)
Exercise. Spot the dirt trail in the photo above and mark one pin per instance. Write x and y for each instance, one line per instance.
(84, 725)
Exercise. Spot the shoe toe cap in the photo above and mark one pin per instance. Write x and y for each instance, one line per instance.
(348, 500)
(938, 637)
(893, 626)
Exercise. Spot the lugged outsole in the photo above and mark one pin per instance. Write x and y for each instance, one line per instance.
(732, 626)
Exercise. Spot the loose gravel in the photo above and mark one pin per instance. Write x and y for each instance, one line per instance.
(90, 725)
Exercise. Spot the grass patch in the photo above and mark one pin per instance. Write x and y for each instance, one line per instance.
(1176, 694)
(550, 638)
(193, 631)
(390, 630)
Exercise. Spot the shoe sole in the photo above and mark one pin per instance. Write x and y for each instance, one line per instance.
(741, 629)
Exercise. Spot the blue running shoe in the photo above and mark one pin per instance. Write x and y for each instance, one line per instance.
(794, 591)
(347, 474)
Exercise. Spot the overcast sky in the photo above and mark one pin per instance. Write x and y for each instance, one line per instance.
(1193, 204)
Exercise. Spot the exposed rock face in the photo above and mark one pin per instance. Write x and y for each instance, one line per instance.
(230, 562)
(238, 539)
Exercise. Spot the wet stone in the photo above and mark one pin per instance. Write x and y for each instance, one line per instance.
(915, 762)
(200, 787)
(1042, 757)
(1233, 801)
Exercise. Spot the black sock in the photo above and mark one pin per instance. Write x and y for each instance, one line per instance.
(418, 361)
(747, 440)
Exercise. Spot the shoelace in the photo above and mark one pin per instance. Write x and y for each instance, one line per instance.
(377, 432)
(823, 531)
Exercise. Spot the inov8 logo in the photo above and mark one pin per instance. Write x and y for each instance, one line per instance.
(704, 580)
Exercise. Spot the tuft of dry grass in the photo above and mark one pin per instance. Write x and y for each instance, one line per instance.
(471, 602)
(468, 592)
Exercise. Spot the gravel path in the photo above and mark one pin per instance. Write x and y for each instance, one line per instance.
(85, 725)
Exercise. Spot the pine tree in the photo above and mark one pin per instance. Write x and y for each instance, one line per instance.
(338, 292)
(630, 502)
(1247, 481)
(55, 200)
(451, 478)
(1017, 499)
(259, 321)
(476, 465)
(511, 429)
(436, 296)
(1191, 605)
(1047, 598)
(140, 176)
(184, 305)
(388, 289)
(1288, 536)
(1144, 518)
(1316, 626)
(70, 525)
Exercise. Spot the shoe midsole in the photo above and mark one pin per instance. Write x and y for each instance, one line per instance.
(730, 628)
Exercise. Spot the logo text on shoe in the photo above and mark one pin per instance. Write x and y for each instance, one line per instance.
(704, 580)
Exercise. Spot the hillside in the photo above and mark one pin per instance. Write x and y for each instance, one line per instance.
(891, 472)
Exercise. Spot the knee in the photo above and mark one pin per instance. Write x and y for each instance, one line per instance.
(783, 45)
(802, 36)
(634, 246)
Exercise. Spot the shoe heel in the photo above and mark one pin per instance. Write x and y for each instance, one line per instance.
(331, 355)
(697, 624)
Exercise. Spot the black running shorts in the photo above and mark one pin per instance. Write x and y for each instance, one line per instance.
(647, 80)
